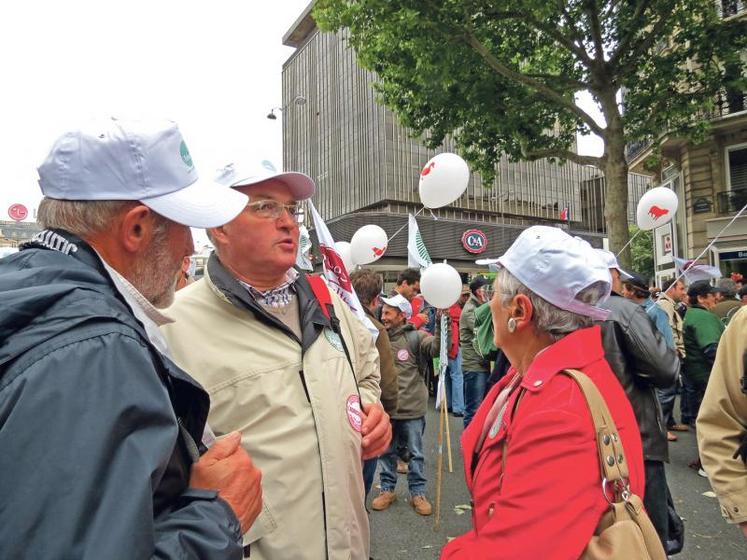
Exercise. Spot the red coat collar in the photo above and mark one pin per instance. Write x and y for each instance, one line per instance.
(573, 351)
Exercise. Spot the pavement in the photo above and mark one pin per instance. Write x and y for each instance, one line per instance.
(401, 533)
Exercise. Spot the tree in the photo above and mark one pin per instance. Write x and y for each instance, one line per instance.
(501, 76)
(642, 252)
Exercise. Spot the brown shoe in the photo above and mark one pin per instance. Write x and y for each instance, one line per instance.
(421, 505)
(383, 501)
(680, 428)
(402, 466)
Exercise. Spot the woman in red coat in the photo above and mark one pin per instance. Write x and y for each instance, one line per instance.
(532, 467)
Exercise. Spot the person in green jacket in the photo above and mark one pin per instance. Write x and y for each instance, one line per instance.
(475, 368)
(701, 332)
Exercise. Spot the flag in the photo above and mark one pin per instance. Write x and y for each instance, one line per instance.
(565, 214)
(335, 272)
(443, 360)
(417, 254)
(694, 271)
(304, 246)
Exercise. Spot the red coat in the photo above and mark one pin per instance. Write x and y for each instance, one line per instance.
(547, 503)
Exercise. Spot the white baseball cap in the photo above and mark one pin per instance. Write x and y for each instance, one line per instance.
(400, 302)
(146, 161)
(243, 174)
(556, 267)
(609, 258)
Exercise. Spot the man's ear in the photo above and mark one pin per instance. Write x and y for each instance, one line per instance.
(218, 235)
(136, 228)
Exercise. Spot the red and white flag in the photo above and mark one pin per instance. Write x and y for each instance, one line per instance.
(565, 214)
(335, 272)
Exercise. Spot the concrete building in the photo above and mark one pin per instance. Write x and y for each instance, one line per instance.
(367, 166)
(710, 179)
(12, 233)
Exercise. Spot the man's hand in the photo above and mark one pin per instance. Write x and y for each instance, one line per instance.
(376, 431)
(744, 528)
(227, 468)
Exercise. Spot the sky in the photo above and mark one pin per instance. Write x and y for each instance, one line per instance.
(213, 67)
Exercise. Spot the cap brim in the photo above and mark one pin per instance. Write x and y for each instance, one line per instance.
(202, 204)
(624, 275)
(301, 186)
(486, 262)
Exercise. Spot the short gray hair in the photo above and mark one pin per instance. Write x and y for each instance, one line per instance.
(83, 218)
(548, 318)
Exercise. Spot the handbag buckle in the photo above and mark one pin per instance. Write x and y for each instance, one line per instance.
(619, 487)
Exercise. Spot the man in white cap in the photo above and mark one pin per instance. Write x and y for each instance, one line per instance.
(288, 364)
(411, 348)
(100, 431)
(642, 361)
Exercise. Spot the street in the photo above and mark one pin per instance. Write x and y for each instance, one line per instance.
(400, 533)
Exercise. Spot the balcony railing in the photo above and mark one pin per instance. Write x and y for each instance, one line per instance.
(728, 8)
(632, 149)
(731, 202)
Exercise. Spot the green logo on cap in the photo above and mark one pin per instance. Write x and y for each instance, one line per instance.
(186, 158)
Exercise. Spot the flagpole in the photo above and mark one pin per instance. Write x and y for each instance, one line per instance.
(439, 468)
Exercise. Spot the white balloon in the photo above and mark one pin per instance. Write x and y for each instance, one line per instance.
(368, 244)
(343, 249)
(443, 180)
(656, 208)
(441, 285)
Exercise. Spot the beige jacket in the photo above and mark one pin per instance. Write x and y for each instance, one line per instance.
(675, 321)
(296, 410)
(723, 419)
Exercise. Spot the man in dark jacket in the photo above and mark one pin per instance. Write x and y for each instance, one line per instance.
(641, 360)
(100, 431)
(411, 348)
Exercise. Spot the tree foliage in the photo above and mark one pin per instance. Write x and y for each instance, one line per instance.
(501, 76)
(642, 252)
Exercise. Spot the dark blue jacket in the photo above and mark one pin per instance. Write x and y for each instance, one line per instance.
(92, 463)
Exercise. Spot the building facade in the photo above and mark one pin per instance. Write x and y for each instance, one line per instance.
(710, 180)
(367, 166)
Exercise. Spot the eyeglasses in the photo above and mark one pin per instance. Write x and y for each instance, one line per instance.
(272, 209)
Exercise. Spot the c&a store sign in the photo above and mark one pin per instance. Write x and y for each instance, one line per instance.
(474, 241)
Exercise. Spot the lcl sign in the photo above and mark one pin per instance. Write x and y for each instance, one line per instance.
(474, 241)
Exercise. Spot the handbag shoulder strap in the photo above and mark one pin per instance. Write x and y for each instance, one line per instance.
(612, 460)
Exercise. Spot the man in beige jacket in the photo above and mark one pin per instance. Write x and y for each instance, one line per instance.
(722, 423)
(301, 387)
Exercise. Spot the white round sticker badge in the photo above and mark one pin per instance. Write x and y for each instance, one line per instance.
(355, 415)
(403, 355)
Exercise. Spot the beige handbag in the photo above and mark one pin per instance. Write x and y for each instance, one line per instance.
(625, 532)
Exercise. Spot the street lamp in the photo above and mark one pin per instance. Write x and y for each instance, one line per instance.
(297, 100)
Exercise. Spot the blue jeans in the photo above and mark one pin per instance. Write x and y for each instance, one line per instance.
(369, 470)
(411, 432)
(475, 383)
(455, 385)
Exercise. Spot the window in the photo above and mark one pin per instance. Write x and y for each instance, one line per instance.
(736, 167)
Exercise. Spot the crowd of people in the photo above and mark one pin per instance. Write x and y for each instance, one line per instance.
(247, 415)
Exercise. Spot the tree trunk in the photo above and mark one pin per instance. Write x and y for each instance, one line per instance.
(616, 206)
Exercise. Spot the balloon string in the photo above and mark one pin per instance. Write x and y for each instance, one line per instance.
(704, 251)
(396, 233)
(629, 242)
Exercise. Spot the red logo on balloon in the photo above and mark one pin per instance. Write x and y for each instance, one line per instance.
(655, 212)
(427, 169)
(17, 212)
(378, 252)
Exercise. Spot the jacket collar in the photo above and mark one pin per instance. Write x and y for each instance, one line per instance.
(311, 317)
(574, 351)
